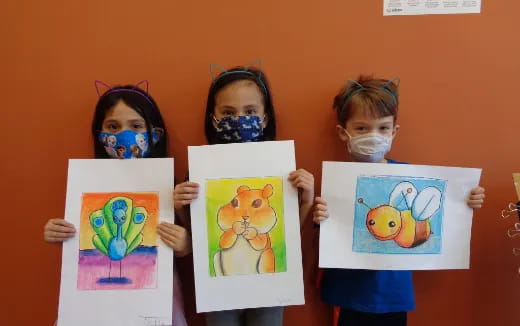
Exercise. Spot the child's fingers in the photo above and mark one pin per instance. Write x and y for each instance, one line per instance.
(168, 242)
(303, 182)
(186, 190)
(58, 235)
(477, 190)
(185, 196)
(477, 197)
(321, 212)
(187, 184)
(62, 229)
(320, 201)
(172, 229)
(318, 219)
(182, 202)
(475, 203)
(293, 175)
(54, 240)
(321, 207)
(168, 229)
(62, 222)
(58, 225)
(166, 235)
(299, 173)
(52, 228)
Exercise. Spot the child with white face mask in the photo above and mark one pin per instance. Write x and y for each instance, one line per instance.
(367, 113)
(367, 116)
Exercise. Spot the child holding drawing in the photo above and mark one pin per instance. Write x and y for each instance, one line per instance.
(367, 110)
(129, 117)
(240, 109)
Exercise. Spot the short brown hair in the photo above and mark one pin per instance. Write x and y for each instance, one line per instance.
(379, 96)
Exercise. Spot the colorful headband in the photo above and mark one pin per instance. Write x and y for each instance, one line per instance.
(98, 83)
(225, 72)
(384, 87)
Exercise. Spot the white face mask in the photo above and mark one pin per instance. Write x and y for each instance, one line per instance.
(370, 147)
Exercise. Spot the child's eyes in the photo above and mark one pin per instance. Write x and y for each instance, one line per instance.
(251, 112)
(138, 126)
(384, 128)
(113, 127)
(228, 113)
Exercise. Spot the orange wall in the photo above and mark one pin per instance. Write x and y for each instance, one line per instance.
(459, 107)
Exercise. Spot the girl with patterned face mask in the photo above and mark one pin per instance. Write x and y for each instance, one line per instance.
(239, 110)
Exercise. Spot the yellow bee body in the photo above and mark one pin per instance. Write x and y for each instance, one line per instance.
(387, 222)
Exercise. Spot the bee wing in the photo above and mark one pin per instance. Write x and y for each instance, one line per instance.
(403, 196)
(427, 203)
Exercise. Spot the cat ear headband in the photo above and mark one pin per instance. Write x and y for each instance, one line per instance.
(217, 72)
(385, 87)
(98, 84)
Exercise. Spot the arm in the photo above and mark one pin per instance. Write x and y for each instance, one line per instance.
(304, 181)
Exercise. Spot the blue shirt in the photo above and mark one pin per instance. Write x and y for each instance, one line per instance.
(368, 290)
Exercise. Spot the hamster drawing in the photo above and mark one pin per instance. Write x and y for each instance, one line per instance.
(246, 244)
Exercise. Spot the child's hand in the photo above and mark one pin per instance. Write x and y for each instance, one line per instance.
(320, 212)
(304, 181)
(176, 237)
(58, 230)
(476, 197)
(184, 194)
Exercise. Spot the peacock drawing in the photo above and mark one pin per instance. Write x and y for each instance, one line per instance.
(118, 228)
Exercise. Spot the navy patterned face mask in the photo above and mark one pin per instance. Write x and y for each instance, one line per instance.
(239, 129)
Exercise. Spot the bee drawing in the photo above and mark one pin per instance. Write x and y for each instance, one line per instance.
(406, 217)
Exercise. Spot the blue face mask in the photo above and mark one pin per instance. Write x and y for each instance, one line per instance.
(127, 143)
(239, 129)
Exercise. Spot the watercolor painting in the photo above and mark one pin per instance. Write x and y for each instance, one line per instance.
(398, 215)
(118, 241)
(245, 221)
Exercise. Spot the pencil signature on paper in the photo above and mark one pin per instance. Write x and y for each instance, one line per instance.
(155, 321)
